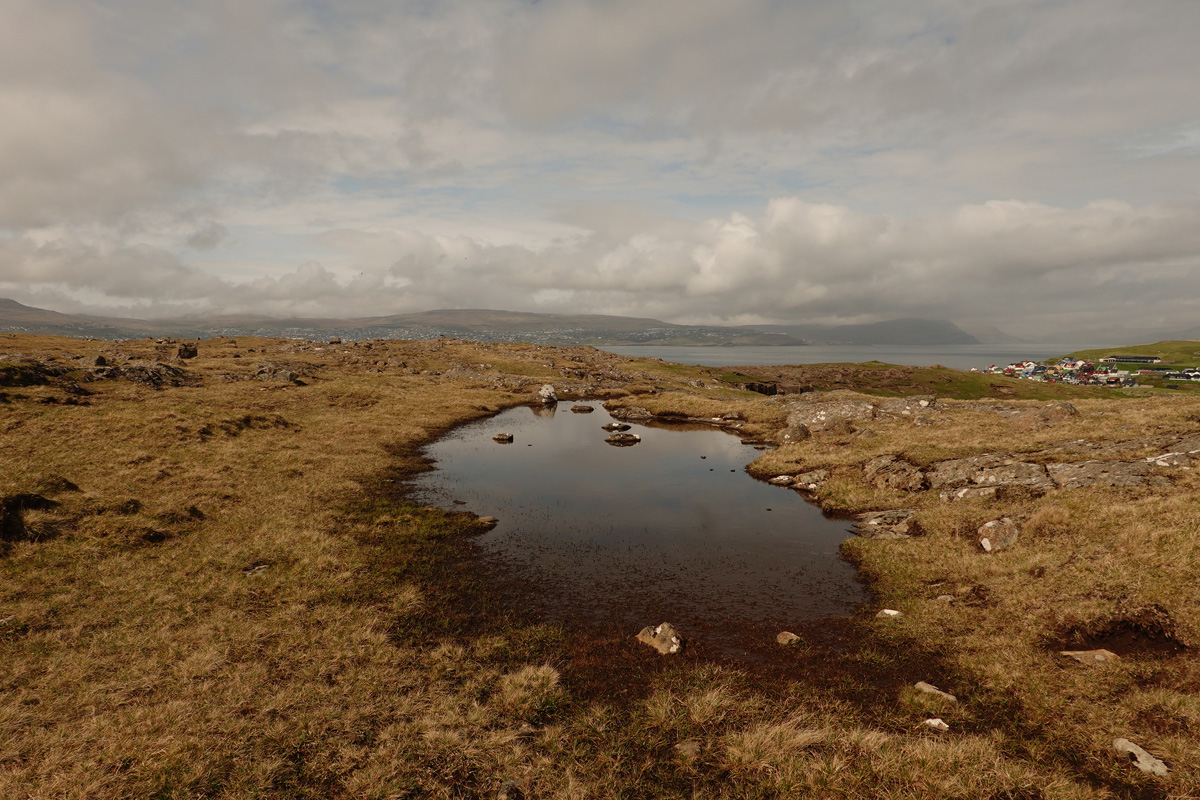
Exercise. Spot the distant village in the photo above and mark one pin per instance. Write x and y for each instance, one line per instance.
(1114, 371)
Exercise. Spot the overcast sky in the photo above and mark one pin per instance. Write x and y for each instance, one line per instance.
(1029, 165)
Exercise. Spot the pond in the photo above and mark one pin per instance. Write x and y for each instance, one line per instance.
(671, 529)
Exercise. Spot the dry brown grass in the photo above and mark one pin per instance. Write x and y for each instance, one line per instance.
(171, 667)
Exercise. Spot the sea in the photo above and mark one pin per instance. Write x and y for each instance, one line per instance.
(956, 356)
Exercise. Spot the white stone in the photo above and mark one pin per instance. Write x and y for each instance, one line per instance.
(937, 724)
(889, 613)
(1140, 758)
(929, 688)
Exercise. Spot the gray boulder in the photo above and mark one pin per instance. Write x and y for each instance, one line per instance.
(546, 395)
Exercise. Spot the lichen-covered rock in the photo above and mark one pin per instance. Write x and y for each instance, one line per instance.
(663, 638)
(968, 493)
(811, 479)
(582, 409)
(794, 433)
(989, 469)
(1046, 417)
(893, 472)
(822, 415)
(1100, 473)
(908, 406)
(998, 534)
(898, 523)
(629, 412)
(546, 395)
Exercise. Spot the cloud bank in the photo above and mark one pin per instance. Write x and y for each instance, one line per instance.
(1023, 164)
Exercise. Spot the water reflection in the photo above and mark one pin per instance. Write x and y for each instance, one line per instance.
(672, 529)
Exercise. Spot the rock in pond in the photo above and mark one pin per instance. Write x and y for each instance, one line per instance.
(664, 638)
(503, 438)
(547, 396)
(615, 426)
(622, 439)
(582, 409)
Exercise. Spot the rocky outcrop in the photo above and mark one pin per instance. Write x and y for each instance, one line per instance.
(1099, 473)
(1046, 417)
(989, 470)
(911, 406)
(969, 493)
(186, 350)
(811, 479)
(894, 524)
(830, 414)
(276, 373)
(794, 433)
(893, 472)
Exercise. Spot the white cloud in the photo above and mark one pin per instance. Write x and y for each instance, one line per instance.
(696, 160)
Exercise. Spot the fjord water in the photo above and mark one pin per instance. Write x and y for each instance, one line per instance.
(956, 356)
(671, 529)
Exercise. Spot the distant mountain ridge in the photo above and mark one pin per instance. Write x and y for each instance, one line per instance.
(484, 325)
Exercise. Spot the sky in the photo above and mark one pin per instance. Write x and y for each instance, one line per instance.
(1028, 165)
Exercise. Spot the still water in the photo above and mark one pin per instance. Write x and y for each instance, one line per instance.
(957, 356)
(671, 529)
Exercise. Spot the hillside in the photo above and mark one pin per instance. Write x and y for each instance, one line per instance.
(214, 584)
(482, 325)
